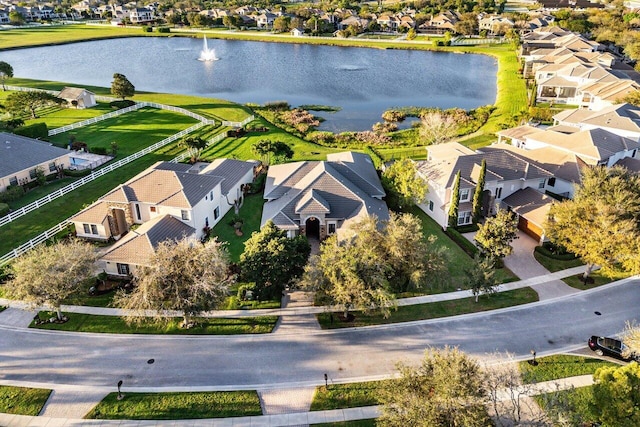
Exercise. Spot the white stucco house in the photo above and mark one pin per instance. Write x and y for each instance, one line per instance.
(78, 98)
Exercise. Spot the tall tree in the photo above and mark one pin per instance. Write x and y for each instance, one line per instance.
(181, 276)
(477, 195)
(19, 102)
(404, 183)
(48, 275)
(447, 389)
(437, 127)
(194, 144)
(481, 276)
(454, 203)
(266, 149)
(601, 223)
(616, 396)
(494, 237)
(121, 87)
(6, 72)
(272, 260)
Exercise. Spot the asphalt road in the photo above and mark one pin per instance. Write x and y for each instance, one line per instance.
(278, 360)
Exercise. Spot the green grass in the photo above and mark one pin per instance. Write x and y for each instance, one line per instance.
(40, 192)
(22, 400)
(554, 265)
(58, 117)
(351, 395)
(79, 322)
(251, 213)
(559, 366)
(28, 226)
(132, 131)
(177, 406)
(576, 400)
(435, 310)
(415, 153)
(598, 277)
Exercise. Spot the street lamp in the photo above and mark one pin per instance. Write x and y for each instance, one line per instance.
(533, 361)
(120, 395)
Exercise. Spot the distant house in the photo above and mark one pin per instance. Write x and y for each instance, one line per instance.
(22, 157)
(78, 97)
(319, 199)
(141, 15)
(621, 119)
(265, 20)
(297, 32)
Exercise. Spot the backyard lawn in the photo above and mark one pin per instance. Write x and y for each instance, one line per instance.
(22, 400)
(177, 406)
(56, 117)
(132, 131)
(79, 322)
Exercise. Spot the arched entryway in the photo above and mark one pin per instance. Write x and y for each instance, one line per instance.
(312, 228)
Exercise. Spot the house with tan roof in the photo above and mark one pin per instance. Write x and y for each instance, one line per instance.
(621, 119)
(78, 98)
(506, 174)
(322, 198)
(197, 196)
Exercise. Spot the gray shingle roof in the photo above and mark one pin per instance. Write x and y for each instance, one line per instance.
(230, 170)
(18, 153)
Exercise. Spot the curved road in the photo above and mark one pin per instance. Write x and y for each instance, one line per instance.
(269, 360)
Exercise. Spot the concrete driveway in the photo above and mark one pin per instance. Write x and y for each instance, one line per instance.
(524, 265)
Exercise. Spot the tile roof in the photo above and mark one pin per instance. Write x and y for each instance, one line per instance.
(94, 214)
(619, 116)
(139, 245)
(530, 204)
(18, 153)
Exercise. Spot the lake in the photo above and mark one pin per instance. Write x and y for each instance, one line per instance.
(363, 82)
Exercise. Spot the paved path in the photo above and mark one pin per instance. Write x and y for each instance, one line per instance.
(286, 419)
(72, 403)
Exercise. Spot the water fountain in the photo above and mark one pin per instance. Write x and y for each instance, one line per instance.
(207, 54)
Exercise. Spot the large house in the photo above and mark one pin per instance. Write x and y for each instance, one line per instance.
(197, 196)
(321, 198)
(22, 158)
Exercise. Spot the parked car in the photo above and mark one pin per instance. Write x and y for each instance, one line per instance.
(611, 347)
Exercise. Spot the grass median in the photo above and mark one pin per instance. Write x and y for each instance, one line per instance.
(559, 366)
(79, 322)
(177, 406)
(22, 400)
(432, 310)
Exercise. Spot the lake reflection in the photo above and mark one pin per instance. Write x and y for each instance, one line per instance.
(364, 82)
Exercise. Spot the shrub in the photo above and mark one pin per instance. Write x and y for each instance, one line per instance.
(258, 184)
(99, 150)
(122, 103)
(77, 173)
(78, 145)
(35, 130)
(277, 106)
(164, 30)
(557, 252)
(461, 241)
(375, 157)
(147, 29)
(13, 192)
(4, 209)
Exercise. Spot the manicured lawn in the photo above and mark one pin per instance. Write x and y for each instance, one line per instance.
(58, 117)
(434, 310)
(598, 278)
(177, 406)
(39, 192)
(251, 213)
(241, 148)
(415, 153)
(27, 227)
(576, 400)
(559, 366)
(554, 265)
(132, 131)
(22, 400)
(352, 395)
(116, 325)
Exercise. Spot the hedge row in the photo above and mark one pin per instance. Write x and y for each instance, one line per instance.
(461, 241)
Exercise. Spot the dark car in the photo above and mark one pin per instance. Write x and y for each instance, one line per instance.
(611, 347)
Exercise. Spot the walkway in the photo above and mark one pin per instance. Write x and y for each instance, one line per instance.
(290, 419)
(306, 310)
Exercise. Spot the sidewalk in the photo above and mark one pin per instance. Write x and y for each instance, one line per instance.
(291, 419)
(305, 310)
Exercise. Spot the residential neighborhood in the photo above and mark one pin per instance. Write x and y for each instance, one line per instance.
(170, 257)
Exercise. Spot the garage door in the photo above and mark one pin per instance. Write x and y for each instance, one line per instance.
(530, 228)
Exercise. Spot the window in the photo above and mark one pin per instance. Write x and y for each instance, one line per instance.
(138, 212)
(211, 195)
(185, 215)
(431, 205)
(498, 192)
(123, 269)
(13, 180)
(94, 229)
(33, 173)
(87, 229)
(541, 183)
(551, 182)
(206, 222)
(216, 213)
(464, 194)
(52, 167)
(152, 209)
(332, 228)
(464, 218)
